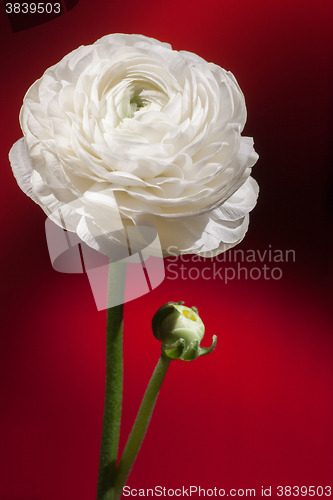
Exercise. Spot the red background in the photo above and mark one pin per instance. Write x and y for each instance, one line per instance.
(259, 410)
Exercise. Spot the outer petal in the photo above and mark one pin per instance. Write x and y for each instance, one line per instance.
(214, 232)
(22, 168)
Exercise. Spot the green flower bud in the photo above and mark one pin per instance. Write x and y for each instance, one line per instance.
(180, 329)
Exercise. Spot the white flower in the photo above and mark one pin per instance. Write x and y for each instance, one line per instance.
(128, 131)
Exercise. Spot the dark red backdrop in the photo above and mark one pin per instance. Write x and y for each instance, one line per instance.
(259, 410)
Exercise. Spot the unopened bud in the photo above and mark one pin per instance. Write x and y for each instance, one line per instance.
(180, 329)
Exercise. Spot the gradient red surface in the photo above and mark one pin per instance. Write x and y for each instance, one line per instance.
(259, 410)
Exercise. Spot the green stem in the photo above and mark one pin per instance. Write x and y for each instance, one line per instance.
(114, 383)
(140, 425)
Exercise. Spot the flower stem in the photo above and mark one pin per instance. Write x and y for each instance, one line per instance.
(114, 383)
(140, 425)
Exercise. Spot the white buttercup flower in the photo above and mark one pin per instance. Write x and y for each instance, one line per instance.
(129, 132)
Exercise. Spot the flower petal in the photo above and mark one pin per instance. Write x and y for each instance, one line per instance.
(22, 168)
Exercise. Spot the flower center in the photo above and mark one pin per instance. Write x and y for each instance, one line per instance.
(189, 315)
(137, 102)
(145, 94)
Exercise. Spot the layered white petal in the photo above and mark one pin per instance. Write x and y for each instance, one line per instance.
(128, 129)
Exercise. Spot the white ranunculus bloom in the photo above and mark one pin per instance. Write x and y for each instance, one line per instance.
(129, 130)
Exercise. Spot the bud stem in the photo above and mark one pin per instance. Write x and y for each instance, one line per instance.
(140, 425)
(113, 387)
